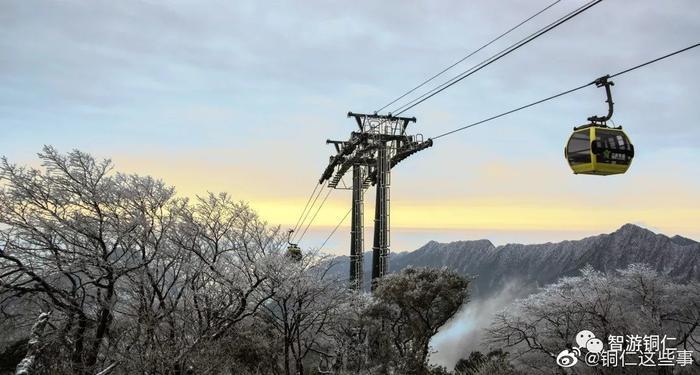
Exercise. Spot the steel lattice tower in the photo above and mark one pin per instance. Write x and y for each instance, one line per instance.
(371, 152)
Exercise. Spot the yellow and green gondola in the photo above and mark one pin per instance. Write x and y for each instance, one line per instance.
(597, 149)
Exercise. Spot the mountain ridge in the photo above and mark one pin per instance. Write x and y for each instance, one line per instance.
(533, 265)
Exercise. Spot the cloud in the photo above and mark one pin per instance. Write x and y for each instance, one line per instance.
(465, 332)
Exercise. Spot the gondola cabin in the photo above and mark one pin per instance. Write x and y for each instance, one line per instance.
(599, 150)
(294, 252)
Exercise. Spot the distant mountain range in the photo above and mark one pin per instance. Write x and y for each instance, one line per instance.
(531, 266)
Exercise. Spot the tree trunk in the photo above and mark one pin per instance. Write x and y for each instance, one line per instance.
(27, 363)
(79, 340)
(286, 358)
(103, 325)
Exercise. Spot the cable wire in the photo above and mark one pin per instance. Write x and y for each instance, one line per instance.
(654, 60)
(296, 226)
(512, 110)
(475, 68)
(566, 92)
(335, 229)
(316, 213)
(469, 55)
(494, 58)
(313, 203)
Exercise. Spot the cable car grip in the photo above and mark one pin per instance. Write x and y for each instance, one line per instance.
(603, 82)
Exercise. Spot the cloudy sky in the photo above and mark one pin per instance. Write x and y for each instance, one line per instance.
(240, 97)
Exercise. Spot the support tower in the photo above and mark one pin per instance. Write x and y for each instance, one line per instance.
(371, 152)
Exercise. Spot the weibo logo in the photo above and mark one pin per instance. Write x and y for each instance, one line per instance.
(585, 340)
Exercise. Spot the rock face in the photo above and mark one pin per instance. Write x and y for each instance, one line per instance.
(530, 266)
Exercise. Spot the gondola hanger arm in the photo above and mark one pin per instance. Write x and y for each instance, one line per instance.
(604, 82)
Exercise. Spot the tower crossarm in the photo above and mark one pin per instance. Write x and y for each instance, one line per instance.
(362, 119)
(361, 158)
(344, 149)
(408, 150)
(404, 150)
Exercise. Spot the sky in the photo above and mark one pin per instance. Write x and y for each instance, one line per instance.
(241, 96)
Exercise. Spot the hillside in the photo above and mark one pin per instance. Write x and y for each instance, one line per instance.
(539, 264)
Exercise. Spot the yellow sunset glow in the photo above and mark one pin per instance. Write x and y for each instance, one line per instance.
(489, 215)
(493, 207)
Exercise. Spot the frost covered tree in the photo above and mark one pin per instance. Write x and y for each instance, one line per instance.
(187, 304)
(637, 300)
(352, 353)
(70, 233)
(132, 279)
(410, 306)
(305, 303)
(33, 345)
(132, 274)
(493, 363)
